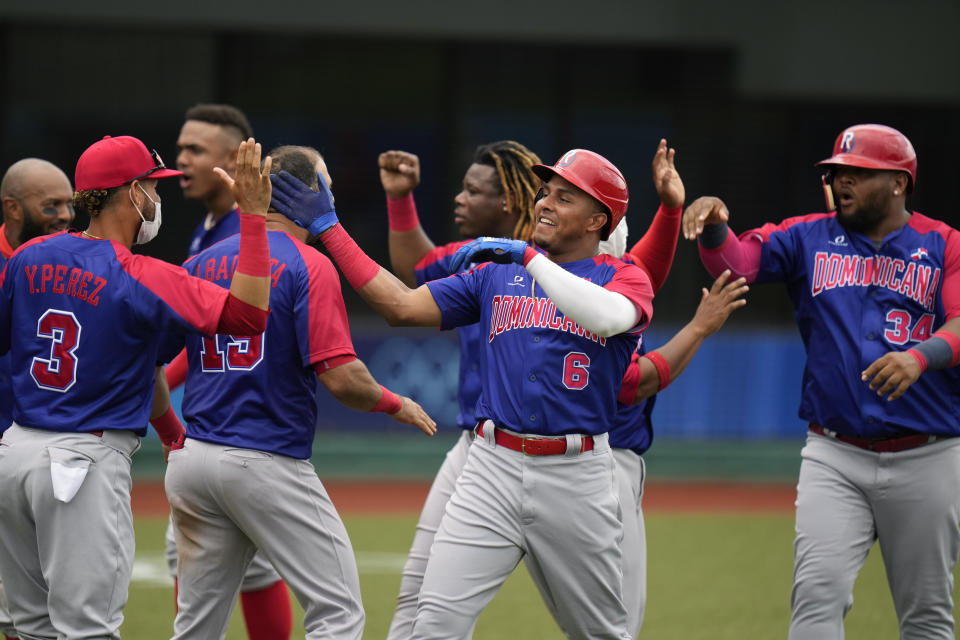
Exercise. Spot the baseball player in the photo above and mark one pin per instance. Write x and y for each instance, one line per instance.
(243, 481)
(209, 138)
(876, 292)
(555, 350)
(82, 318)
(37, 200)
(497, 199)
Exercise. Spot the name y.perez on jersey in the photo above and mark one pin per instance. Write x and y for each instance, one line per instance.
(543, 374)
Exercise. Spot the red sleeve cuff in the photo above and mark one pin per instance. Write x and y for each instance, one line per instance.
(663, 368)
(242, 319)
(333, 363)
(954, 343)
(529, 254)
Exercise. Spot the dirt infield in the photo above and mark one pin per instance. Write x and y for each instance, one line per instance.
(407, 496)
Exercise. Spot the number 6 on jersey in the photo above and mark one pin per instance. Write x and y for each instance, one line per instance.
(576, 373)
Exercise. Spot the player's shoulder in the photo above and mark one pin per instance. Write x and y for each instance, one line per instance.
(33, 243)
(440, 254)
(805, 223)
(924, 224)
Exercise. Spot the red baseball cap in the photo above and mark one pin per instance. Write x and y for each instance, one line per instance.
(112, 162)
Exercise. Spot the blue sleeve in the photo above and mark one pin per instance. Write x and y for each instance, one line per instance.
(780, 256)
(459, 296)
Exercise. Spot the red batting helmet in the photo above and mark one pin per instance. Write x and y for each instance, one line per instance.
(875, 146)
(597, 177)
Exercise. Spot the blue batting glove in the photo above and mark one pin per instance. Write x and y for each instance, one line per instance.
(312, 210)
(486, 249)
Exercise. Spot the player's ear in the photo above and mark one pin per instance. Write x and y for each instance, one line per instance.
(12, 210)
(900, 182)
(596, 221)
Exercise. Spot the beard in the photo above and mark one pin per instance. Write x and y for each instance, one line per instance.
(31, 229)
(866, 217)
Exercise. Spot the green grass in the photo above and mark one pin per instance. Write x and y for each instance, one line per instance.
(716, 577)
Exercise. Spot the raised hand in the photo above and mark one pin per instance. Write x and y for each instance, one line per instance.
(412, 413)
(717, 304)
(312, 210)
(892, 373)
(704, 210)
(487, 249)
(251, 187)
(665, 177)
(399, 172)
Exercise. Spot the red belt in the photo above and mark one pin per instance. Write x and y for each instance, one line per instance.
(880, 445)
(536, 445)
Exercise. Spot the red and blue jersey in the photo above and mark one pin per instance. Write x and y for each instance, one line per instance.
(855, 302)
(632, 428)
(6, 382)
(83, 320)
(202, 237)
(541, 372)
(434, 266)
(260, 392)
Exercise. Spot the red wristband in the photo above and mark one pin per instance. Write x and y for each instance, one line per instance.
(919, 357)
(168, 427)
(402, 213)
(357, 267)
(954, 343)
(389, 402)
(662, 366)
(529, 254)
(254, 257)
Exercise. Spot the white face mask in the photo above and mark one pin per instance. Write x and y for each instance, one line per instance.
(148, 228)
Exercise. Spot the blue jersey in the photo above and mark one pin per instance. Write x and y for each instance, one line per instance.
(632, 427)
(6, 382)
(543, 373)
(260, 392)
(225, 227)
(855, 302)
(436, 265)
(83, 320)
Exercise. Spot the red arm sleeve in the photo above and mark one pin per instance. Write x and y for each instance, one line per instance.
(741, 256)
(654, 252)
(177, 370)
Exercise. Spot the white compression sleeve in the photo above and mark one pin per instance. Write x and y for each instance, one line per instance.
(605, 313)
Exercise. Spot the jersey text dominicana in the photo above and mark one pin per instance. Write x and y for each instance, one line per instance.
(853, 303)
(543, 373)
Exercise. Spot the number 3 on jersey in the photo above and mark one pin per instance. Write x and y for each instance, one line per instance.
(231, 353)
(576, 370)
(59, 371)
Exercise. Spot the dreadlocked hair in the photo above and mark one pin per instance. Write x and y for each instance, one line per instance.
(92, 201)
(514, 165)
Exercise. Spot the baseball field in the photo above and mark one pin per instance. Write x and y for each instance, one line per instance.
(720, 559)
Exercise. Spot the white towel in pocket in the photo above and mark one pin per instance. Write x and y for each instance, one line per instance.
(68, 469)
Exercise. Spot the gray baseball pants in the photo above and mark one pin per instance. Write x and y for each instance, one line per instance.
(66, 565)
(848, 498)
(227, 502)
